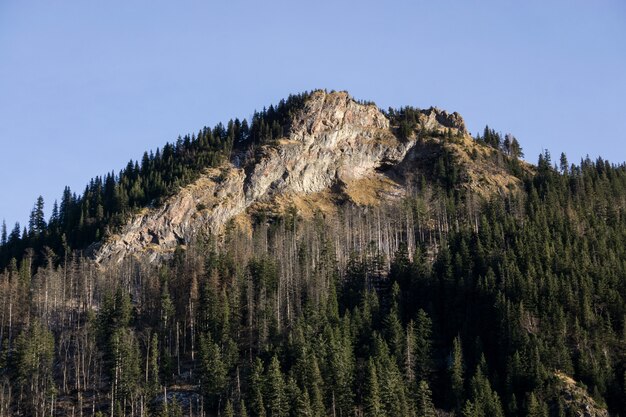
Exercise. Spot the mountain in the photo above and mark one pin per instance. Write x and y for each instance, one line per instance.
(335, 150)
(324, 258)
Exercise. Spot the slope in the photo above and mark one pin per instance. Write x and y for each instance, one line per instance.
(336, 150)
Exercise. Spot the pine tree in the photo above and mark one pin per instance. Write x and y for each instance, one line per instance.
(563, 164)
(243, 411)
(298, 401)
(257, 402)
(393, 327)
(212, 370)
(315, 386)
(393, 390)
(3, 234)
(275, 395)
(469, 410)
(172, 409)
(422, 346)
(34, 350)
(119, 347)
(516, 149)
(229, 411)
(424, 402)
(409, 354)
(154, 386)
(14, 236)
(128, 360)
(484, 400)
(54, 216)
(37, 222)
(372, 401)
(456, 374)
(535, 407)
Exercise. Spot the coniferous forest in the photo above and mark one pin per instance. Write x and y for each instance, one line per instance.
(435, 305)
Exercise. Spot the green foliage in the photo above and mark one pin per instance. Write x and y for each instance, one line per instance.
(34, 349)
(535, 407)
(125, 363)
(212, 370)
(483, 400)
(424, 403)
(422, 356)
(372, 401)
(172, 409)
(305, 317)
(154, 385)
(275, 395)
(37, 222)
(256, 388)
(229, 410)
(456, 374)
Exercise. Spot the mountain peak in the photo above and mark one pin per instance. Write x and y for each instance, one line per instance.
(325, 111)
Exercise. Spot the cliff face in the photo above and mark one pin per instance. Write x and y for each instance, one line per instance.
(333, 140)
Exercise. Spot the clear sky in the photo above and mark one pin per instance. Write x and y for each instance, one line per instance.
(87, 85)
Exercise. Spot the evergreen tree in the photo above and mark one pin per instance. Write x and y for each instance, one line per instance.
(409, 353)
(154, 385)
(229, 410)
(424, 402)
(34, 350)
(456, 374)
(535, 407)
(422, 348)
(172, 408)
(563, 164)
(37, 222)
(257, 402)
(243, 411)
(212, 371)
(373, 404)
(127, 364)
(393, 329)
(483, 400)
(3, 234)
(276, 398)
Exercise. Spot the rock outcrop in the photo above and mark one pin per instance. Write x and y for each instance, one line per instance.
(575, 400)
(435, 119)
(333, 140)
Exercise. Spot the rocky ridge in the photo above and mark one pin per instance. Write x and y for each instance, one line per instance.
(333, 141)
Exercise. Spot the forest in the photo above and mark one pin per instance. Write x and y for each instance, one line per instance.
(431, 306)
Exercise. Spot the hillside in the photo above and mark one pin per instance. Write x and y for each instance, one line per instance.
(335, 150)
(325, 258)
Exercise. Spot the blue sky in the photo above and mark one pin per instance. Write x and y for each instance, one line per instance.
(86, 86)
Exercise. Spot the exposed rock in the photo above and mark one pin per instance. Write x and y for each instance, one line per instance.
(211, 200)
(435, 119)
(334, 140)
(575, 399)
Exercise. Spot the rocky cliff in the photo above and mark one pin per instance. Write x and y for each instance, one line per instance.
(334, 143)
